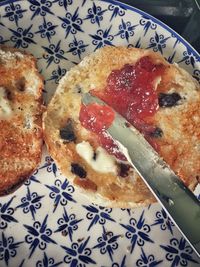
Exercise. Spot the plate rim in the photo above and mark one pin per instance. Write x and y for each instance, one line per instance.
(162, 24)
(141, 12)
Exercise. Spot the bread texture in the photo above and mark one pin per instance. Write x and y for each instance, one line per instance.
(179, 143)
(20, 118)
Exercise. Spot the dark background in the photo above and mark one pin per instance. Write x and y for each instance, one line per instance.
(181, 15)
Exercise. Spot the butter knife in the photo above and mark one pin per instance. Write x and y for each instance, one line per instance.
(177, 200)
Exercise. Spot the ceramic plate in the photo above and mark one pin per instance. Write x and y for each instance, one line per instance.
(46, 223)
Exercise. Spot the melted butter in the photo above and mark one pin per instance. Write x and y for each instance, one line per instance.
(5, 108)
(103, 162)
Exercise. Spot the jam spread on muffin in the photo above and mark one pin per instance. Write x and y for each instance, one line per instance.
(131, 92)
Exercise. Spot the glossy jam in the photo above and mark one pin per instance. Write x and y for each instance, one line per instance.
(130, 91)
(95, 117)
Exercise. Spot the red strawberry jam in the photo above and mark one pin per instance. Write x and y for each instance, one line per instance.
(96, 117)
(129, 91)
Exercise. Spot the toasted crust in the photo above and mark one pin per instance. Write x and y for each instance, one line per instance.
(20, 117)
(179, 145)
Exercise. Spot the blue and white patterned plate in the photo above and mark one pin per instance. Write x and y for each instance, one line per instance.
(46, 223)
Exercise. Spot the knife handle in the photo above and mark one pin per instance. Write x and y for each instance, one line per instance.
(182, 206)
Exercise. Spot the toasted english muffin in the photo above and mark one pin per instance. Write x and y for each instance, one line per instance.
(104, 178)
(20, 118)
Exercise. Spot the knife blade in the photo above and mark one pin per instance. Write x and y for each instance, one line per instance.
(178, 201)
